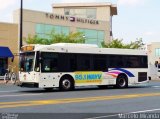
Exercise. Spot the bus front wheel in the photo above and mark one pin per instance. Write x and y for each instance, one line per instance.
(66, 84)
(122, 81)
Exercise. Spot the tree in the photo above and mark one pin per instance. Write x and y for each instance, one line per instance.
(36, 40)
(116, 43)
(137, 44)
(76, 37)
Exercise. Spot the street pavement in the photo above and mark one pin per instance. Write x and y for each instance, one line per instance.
(82, 103)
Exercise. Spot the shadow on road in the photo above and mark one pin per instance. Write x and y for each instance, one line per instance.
(56, 90)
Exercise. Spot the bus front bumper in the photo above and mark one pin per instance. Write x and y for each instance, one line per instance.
(28, 85)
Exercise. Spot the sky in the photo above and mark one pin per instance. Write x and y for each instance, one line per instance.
(135, 19)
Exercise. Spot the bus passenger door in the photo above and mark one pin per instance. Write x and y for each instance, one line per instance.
(49, 66)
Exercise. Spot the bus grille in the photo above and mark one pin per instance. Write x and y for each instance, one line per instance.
(142, 76)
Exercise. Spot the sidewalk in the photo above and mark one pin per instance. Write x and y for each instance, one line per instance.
(2, 82)
(157, 79)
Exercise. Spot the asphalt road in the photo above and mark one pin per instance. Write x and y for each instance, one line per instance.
(83, 103)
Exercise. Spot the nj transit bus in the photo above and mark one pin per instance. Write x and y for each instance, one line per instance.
(67, 66)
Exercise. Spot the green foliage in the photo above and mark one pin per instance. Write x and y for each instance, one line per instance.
(56, 38)
(116, 43)
(36, 40)
(70, 38)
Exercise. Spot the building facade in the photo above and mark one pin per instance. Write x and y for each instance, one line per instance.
(154, 52)
(94, 20)
(8, 46)
(154, 60)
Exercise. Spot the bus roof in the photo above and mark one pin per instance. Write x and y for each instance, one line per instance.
(87, 49)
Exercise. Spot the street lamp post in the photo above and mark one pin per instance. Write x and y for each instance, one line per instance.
(21, 26)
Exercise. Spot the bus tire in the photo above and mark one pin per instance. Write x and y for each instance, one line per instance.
(66, 83)
(122, 81)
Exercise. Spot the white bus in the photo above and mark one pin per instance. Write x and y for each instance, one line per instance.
(69, 65)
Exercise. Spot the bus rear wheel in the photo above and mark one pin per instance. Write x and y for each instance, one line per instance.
(122, 81)
(66, 84)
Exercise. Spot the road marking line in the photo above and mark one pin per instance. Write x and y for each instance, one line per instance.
(2, 96)
(9, 91)
(107, 116)
(151, 110)
(69, 100)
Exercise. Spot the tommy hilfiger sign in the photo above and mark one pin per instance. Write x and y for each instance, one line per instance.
(72, 19)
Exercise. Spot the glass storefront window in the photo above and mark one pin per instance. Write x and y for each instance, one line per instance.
(44, 30)
(91, 33)
(91, 13)
(65, 30)
(91, 41)
(48, 29)
(3, 66)
(101, 35)
(57, 29)
(157, 51)
(80, 13)
(83, 13)
(100, 42)
(40, 28)
(81, 30)
(93, 36)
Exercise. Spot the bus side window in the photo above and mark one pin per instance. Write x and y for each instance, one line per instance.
(46, 65)
(120, 61)
(99, 63)
(84, 63)
(49, 62)
(73, 64)
(54, 64)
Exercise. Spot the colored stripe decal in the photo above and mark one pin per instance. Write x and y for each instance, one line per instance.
(125, 71)
(113, 75)
(115, 72)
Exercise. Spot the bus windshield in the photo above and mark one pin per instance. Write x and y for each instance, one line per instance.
(27, 61)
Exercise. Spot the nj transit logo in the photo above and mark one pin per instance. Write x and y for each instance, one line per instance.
(88, 77)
